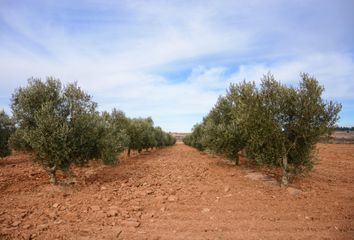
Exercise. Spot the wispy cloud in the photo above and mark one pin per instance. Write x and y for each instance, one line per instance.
(171, 60)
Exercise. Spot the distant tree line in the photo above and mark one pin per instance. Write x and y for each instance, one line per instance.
(344, 129)
(274, 124)
(61, 126)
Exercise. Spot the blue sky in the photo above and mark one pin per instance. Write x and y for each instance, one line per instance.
(172, 59)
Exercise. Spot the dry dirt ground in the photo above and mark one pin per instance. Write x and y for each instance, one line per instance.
(178, 193)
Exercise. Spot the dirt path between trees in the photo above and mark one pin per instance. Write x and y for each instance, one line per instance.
(178, 193)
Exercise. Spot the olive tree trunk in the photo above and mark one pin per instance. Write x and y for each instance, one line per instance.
(52, 175)
(285, 179)
(237, 159)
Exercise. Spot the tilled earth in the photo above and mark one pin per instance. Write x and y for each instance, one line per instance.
(178, 193)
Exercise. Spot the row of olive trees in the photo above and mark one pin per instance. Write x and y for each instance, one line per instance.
(61, 126)
(276, 125)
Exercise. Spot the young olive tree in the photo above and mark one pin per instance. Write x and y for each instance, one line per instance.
(306, 117)
(6, 129)
(286, 122)
(59, 124)
(222, 130)
(148, 134)
(194, 139)
(134, 131)
(113, 138)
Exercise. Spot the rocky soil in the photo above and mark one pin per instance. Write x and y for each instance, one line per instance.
(178, 193)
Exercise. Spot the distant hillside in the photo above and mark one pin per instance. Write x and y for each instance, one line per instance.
(179, 136)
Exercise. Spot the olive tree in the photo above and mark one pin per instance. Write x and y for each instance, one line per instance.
(59, 124)
(194, 139)
(222, 132)
(6, 129)
(285, 123)
(113, 137)
(160, 137)
(135, 130)
(148, 134)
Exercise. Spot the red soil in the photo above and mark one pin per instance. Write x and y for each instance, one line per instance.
(178, 193)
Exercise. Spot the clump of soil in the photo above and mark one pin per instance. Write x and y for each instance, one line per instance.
(178, 193)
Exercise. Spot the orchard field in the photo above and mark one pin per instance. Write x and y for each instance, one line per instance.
(178, 192)
(257, 169)
(164, 120)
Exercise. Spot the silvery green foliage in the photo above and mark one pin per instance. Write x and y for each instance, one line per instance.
(143, 135)
(196, 137)
(59, 124)
(6, 129)
(113, 137)
(277, 125)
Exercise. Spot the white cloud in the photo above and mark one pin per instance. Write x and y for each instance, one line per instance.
(122, 52)
(333, 70)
